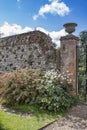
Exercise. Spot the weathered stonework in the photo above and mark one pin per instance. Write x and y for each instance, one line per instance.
(68, 58)
(32, 50)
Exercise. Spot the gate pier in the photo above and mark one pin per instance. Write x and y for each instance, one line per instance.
(68, 56)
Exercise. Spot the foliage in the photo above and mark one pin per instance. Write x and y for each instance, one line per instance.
(1, 127)
(82, 65)
(83, 37)
(47, 90)
(53, 95)
(19, 86)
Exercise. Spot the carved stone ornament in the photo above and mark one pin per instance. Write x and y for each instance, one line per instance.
(70, 27)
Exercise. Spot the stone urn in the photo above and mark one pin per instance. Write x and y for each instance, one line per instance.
(70, 27)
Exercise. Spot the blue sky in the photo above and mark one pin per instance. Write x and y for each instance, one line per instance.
(18, 16)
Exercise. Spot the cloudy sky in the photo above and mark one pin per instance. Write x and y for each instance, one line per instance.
(18, 16)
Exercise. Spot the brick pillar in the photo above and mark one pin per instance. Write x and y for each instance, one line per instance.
(68, 59)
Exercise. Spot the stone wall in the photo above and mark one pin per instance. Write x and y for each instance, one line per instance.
(33, 50)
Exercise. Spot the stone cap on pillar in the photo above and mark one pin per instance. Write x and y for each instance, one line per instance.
(70, 36)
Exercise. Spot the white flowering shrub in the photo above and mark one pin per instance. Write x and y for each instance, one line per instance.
(54, 94)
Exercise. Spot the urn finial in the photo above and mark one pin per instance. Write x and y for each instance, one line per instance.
(70, 27)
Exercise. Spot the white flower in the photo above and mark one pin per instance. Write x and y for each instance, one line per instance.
(59, 75)
(67, 71)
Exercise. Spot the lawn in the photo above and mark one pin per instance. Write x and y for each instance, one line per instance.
(38, 119)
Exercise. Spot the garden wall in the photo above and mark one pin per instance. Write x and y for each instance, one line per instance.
(33, 50)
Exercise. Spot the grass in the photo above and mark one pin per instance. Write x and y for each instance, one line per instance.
(38, 119)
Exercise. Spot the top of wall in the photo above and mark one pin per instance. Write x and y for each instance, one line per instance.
(33, 49)
(26, 38)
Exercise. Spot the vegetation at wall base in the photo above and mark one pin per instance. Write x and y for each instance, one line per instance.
(47, 90)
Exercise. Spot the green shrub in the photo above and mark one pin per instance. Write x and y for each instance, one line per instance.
(53, 95)
(20, 86)
(47, 90)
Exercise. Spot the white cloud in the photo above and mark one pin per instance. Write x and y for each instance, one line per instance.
(35, 17)
(42, 30)
(56, 7)
(55, 35)
(18, 0)
(10, 29)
